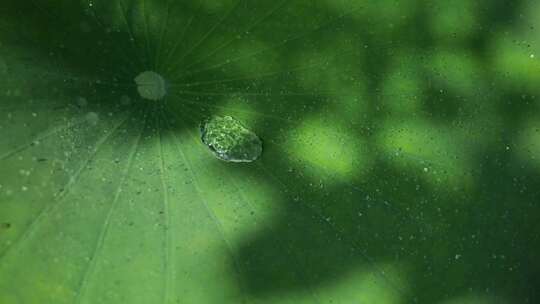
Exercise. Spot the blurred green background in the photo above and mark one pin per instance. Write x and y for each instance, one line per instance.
(401, 158)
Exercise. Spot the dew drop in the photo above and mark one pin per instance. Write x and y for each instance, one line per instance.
(229, 140)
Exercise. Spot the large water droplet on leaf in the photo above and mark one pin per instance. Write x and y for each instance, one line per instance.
(151, 85)
(229, 140)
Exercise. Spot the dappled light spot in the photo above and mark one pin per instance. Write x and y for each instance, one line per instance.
(381, 283)
(453, 21)
(402, 90)
(457, 71)
(516, 56)
(435, 153)
(328, 149)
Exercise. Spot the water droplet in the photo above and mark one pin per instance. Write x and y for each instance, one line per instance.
(229, 140)
(151, 85)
